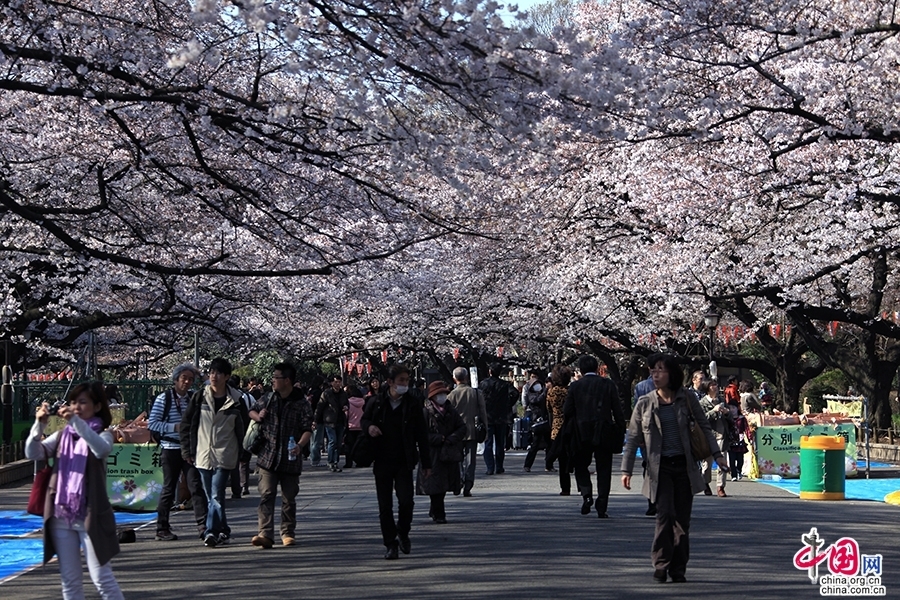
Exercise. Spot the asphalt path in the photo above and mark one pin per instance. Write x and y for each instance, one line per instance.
(515, 538)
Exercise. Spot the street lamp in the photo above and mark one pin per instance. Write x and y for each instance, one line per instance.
(711, 319)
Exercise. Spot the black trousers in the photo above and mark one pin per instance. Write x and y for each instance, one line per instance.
(438, 510)
(538, 442)
(388, 479)
(350, 437)
(495, 447)
(559, 451)
(173, 465)
(582, 464)
(674, 501)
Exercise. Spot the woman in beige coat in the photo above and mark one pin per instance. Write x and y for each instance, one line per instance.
(661, 423)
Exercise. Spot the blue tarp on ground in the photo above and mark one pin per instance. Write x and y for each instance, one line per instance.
(17, 553)
(854, 489)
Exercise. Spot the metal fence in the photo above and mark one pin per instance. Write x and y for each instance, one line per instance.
(137, 395)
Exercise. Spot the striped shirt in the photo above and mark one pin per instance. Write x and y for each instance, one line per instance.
(671, 440)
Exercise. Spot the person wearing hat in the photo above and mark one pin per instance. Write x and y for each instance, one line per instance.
(446, 432)
(165, 421)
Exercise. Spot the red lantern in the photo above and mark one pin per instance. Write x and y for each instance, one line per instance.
(384, 356)
(349, 366)
(355, 355)
(778, 330)
(456, 354)
(499, 351)
(368, 368)
(359, 370)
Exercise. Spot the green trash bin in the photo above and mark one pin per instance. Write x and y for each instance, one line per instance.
(822, 474)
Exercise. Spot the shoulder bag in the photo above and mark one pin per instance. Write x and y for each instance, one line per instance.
(253, 440)
(38, 496)
(699, 443)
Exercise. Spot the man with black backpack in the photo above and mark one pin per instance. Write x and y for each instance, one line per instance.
(164, 423)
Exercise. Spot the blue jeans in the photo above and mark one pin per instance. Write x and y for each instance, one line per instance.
(214, 482)
(315, 446)
(335, 435)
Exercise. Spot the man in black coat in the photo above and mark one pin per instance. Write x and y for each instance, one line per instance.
(594, 405)
(396, 423)
(499, 398)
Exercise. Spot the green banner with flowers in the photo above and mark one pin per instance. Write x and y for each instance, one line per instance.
(134, 477)
(778, 448)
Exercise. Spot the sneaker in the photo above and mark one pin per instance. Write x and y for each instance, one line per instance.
(210, 541)
(288, 540)
(336, 469)
(262, 542)
(164, 535)
(245, 491)
(734, 478)
(223, 539)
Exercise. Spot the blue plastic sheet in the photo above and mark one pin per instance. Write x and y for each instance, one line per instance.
(854, 489)
(18, 553)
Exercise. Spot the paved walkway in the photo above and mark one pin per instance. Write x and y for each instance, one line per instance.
(516, 538)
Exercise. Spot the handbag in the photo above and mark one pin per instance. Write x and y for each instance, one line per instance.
(540, 427)
(38, 496)
(699, 444)
(253, 440)
(738, 447)
(451, 453)
(480, 431)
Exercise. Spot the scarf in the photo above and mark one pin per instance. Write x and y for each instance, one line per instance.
(438, 407)
(72, 457)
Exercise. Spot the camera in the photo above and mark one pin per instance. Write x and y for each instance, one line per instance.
(54, 408)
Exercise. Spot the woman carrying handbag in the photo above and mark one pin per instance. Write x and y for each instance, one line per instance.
(76, 510)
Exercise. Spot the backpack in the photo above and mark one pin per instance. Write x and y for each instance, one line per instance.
(155, 436)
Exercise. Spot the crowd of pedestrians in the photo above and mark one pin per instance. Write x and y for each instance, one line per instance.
(418, 440)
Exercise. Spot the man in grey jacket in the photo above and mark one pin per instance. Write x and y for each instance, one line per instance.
(469, 403)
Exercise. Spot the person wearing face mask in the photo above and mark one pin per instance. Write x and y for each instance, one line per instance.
(446, 432)
(395, 422)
